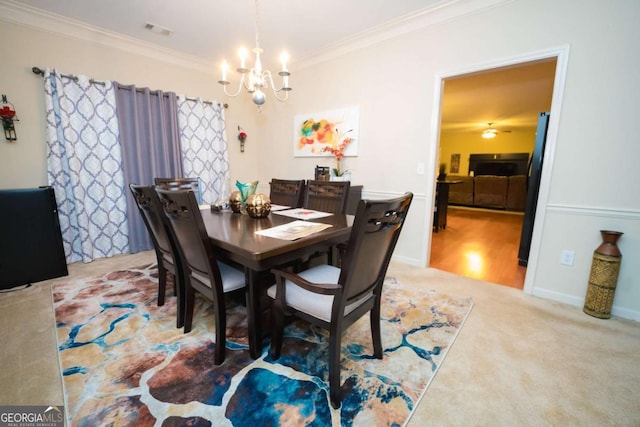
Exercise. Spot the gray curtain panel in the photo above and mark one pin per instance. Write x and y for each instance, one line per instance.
(150, 141)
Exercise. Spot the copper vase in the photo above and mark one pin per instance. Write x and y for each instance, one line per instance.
(603, 278)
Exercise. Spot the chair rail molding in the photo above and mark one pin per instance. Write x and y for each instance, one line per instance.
(594, 211)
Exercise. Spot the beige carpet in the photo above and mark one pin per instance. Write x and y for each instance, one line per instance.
(519, 360)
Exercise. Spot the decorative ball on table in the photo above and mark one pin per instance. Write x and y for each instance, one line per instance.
(235, 201)
(258, 205)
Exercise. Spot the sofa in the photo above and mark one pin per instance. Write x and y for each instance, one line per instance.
(489, 191)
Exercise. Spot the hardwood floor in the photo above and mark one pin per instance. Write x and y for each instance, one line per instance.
(481, 244)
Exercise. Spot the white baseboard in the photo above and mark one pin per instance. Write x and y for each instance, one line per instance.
(579, 302)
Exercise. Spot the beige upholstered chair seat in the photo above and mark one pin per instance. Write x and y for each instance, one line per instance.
(232, 278)
(318, 306)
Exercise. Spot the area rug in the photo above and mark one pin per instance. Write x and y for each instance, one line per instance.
(124, 362)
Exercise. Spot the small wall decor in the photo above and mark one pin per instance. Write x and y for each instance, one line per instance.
(242, 137)
(317, 134)
(455, 164)
(8, 115)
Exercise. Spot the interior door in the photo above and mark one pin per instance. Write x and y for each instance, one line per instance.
(533, 186)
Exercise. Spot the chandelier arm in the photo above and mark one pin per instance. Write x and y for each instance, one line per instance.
(267, 76)
(284, 99)
(241, 85)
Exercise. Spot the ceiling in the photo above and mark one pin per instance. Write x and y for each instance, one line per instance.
(211, 30)
(509, 98)
(214, 29)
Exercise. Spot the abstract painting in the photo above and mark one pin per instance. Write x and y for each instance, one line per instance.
(315, 134)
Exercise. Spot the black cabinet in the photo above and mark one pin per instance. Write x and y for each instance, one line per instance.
(441, 204)
(31, 245)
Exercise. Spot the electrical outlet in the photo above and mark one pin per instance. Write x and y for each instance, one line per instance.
(567, 257)
(420, 169)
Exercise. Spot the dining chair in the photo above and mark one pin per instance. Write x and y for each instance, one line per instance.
(203, 273)
(181, 184)
(164, 244)
(327, 196)
(287, 192)
(334, 298)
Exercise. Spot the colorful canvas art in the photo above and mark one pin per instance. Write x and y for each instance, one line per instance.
(320, 134)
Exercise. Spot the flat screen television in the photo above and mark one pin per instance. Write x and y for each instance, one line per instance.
(502, 164)
(31, 247)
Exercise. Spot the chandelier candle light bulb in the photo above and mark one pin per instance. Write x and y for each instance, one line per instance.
(224, 67)
(243, 60)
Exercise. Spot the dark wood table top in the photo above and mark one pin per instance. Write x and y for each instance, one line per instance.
(234, 237)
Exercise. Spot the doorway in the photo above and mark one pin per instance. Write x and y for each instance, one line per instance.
(506, 100)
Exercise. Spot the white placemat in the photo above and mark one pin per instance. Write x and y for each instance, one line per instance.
(301, 213)
(293, 230)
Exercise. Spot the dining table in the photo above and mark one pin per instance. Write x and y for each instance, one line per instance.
(235, 240)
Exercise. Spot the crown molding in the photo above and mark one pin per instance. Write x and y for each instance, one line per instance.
(444, 11)
(18, 13)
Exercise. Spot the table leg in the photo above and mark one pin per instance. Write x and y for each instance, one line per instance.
(254, 312)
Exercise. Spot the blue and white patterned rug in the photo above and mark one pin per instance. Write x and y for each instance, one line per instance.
(124, 362)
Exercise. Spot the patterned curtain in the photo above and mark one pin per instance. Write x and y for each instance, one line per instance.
(204, 146)
(84, 166)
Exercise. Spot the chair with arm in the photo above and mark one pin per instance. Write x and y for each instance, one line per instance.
(203, 273)
(334, 298)
(167, 256)
(327, 196)
(181, 184)
(287, 192)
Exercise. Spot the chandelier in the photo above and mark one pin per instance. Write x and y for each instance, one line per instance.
(256, 80)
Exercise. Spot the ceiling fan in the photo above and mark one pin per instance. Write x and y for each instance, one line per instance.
(492, 132)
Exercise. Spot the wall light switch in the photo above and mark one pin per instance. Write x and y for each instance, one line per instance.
(420, 169)
(567, 257)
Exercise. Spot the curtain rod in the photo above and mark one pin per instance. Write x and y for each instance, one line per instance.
(39, 71)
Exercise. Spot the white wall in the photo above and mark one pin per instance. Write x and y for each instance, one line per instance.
(593, 181)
